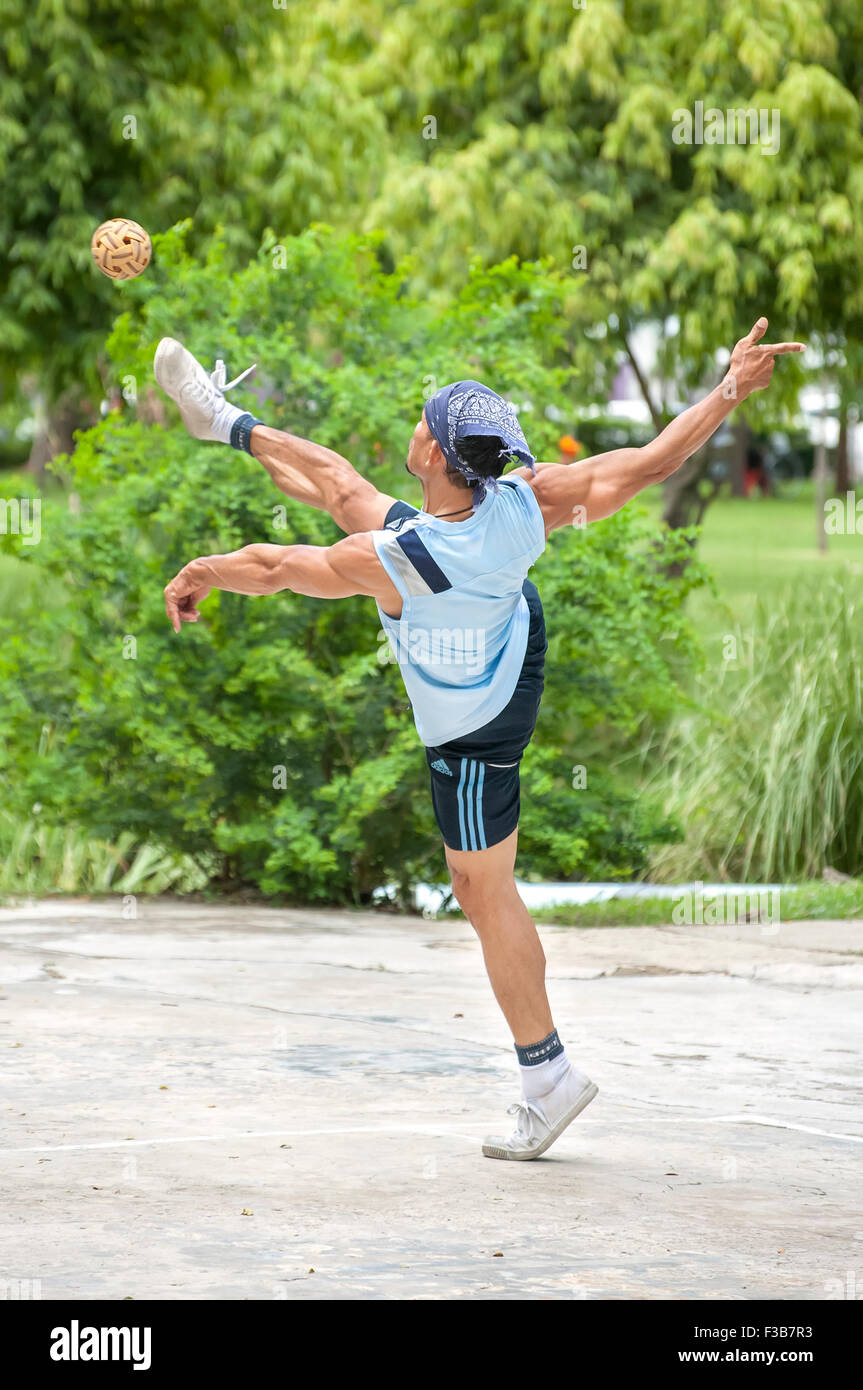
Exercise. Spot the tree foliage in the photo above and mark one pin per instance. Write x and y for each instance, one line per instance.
(155, 110)
(552, 131)
(100, 112)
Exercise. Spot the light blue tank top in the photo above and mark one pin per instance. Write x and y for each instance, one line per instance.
(462, 636)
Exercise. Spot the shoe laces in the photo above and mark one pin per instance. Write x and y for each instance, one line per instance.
(209, 390)
(525, 1109)
(218, 374)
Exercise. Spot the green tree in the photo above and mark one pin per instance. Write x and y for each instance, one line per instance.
(154, 111)
(89, 96)
(550, 131)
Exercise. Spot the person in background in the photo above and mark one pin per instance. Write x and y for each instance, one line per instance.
(756, 474)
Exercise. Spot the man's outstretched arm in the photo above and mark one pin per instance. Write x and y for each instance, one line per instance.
(320, 477)
(603, 484)
(349, 567)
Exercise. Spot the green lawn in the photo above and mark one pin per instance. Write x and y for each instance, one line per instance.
(759, 547)
(805, 902)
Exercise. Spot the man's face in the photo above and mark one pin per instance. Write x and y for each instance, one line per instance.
(419, 449)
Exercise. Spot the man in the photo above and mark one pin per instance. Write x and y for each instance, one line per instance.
(450, 583)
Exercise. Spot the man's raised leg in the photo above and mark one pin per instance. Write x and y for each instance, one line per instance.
(303, 470)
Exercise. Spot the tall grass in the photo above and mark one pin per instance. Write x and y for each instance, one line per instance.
(767, 777)
(35, 858)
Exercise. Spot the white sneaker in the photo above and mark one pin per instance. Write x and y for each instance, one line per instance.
(206, 414)
(541, 1121)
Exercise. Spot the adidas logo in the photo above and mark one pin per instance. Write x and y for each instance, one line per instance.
(440, 766)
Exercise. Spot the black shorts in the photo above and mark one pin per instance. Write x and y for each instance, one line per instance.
(475, 779)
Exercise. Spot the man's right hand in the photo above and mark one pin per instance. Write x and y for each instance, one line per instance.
(752, 362)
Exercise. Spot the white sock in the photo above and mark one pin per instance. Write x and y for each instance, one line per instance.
(538, 1078)
(225, 417)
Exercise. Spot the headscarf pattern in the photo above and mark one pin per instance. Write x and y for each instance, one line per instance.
(468, 407)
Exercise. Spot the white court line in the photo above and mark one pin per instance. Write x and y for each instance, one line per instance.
(780, 1124)
(736, 1120)
(430, 1131)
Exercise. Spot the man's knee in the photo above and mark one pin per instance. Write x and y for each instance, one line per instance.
(461, 886)
(476, 892)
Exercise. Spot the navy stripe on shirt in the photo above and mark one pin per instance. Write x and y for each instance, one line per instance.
(423, 562)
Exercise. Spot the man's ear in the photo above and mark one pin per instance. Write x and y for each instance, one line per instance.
(436, 456)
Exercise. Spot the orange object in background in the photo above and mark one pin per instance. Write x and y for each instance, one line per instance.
(568, 448)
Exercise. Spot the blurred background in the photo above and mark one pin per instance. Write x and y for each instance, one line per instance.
(584, 205)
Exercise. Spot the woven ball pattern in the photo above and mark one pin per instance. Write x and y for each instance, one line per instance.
(121, 248)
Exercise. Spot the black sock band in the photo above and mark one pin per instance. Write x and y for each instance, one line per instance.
(534, 1053)
(241, 432)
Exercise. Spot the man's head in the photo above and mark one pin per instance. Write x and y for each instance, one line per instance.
(485, 455)
(471, 433)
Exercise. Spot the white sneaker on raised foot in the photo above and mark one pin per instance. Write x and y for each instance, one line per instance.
(200, 396)
(542, 1121)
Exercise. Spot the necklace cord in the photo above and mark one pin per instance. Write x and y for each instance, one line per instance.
(441, 516)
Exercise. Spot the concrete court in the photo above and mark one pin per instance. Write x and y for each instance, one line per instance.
(244, 1103)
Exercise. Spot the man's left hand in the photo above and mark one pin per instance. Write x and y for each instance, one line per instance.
(183, 595)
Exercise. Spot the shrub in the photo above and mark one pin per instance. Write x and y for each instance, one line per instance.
(767, 774)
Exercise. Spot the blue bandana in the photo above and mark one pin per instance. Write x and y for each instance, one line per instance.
(468, 407)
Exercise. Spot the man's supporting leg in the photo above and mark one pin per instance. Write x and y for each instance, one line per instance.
(320, 477)
(484, 886)
(554, 1092)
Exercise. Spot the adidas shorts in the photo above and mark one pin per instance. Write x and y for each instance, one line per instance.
(475, 779)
